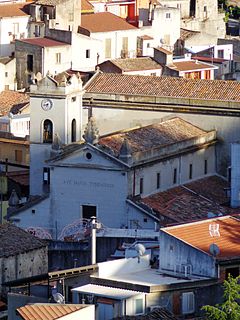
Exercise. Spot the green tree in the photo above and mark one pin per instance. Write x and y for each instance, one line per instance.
(230, 308)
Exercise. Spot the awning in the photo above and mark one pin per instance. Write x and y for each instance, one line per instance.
(108, 292)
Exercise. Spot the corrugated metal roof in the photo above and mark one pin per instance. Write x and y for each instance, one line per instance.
(47, 311)
(108, 292)
(197, 234)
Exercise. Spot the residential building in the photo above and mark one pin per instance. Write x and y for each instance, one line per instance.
(21, 255)
(119, 38)
(40, 55)
(7, 73)
(141, 66)
(13, 25)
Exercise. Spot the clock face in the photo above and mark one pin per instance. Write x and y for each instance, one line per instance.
(46, 104)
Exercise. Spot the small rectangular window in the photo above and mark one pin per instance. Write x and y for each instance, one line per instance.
(188, 303)
(88, 53)
(158, 180)
(141, 186)
(46, 175)
(190, 171)
(139, 306)
(58, 57)
(74, 99)
(175, 176)
(205, 166)
(88, 211)
(168, 15)
(6, 74)
(220, 54)
(18, 155)
(205, 8)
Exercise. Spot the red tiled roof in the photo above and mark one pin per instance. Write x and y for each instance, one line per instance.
(164, 50)
(190, 65)
(197, 235)
(104, 22)
(190, 202)
(86, 6)
(152, 136)
(44, 42)
(146, 37)
(14, 10)
(164, 87)
(12, 101)
(136, 64)
(47, 311)
(185, 34)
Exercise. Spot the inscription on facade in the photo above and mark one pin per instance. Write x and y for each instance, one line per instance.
(91, 184)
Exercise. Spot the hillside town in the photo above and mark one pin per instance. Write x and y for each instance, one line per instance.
(119, 159)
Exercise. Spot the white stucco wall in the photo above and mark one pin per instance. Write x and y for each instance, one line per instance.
(50, 60)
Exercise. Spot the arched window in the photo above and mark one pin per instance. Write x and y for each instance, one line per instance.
(47, 131)
(73, 130)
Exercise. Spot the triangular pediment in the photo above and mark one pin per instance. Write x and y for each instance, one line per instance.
(47, 82)
(87, 156)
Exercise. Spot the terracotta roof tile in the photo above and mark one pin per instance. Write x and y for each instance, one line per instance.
(20, 177)
(164, 50)
(136, 64)
(146, 37)
(47, 311)
(190, 65)
(14, 10)
(190, 202)
(49, 2)
(197, 234)
(15, 241)
(12, 101)
(44, 42)
(152, 136)
(164, 87)
(104, 22)
(86, 6)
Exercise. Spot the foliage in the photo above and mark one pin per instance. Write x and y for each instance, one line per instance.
(230, 308)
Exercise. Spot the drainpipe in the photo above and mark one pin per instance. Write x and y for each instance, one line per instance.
(94, 227)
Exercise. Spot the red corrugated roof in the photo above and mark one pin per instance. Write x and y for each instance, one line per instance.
(197, 235)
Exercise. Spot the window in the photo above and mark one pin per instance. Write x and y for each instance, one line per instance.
(188, 303)
(148, 45)
(141, 186)
(205, 166)
(37, 31)
(73, 130)
(138, 306)
(46, 175)
(153, 74)
(220, 54)
(58, 57)
(158, 180)
(18, 155)
(175, 176)
(205, 9)
(168, 15)
(125, 44)
(108, 48)
(47, 131)
(190, 171)
(88, 211)
(88, 53)
(234, 272)
(74, 99)
(6, 74)
(15, 28)
(30, 62)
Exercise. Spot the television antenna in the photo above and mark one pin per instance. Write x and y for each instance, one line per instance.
(59, 298)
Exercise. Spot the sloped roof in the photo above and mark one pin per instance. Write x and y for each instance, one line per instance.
(49, 2)
(47, 311)
(86, 6)
(190, 202)
(12, 101)
(104, 22)
(44, 42)
(197, 235)
(190, 65)
(15, 240)
(136, 64)
(14, 10)
(152, 136)
(185, 34)
(21, 177)
(164, 87)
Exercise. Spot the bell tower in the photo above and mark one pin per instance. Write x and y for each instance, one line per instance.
(55, 115)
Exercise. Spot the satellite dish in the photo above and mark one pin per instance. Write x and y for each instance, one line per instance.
(214, 249)
(58, 297)
(140, 249)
